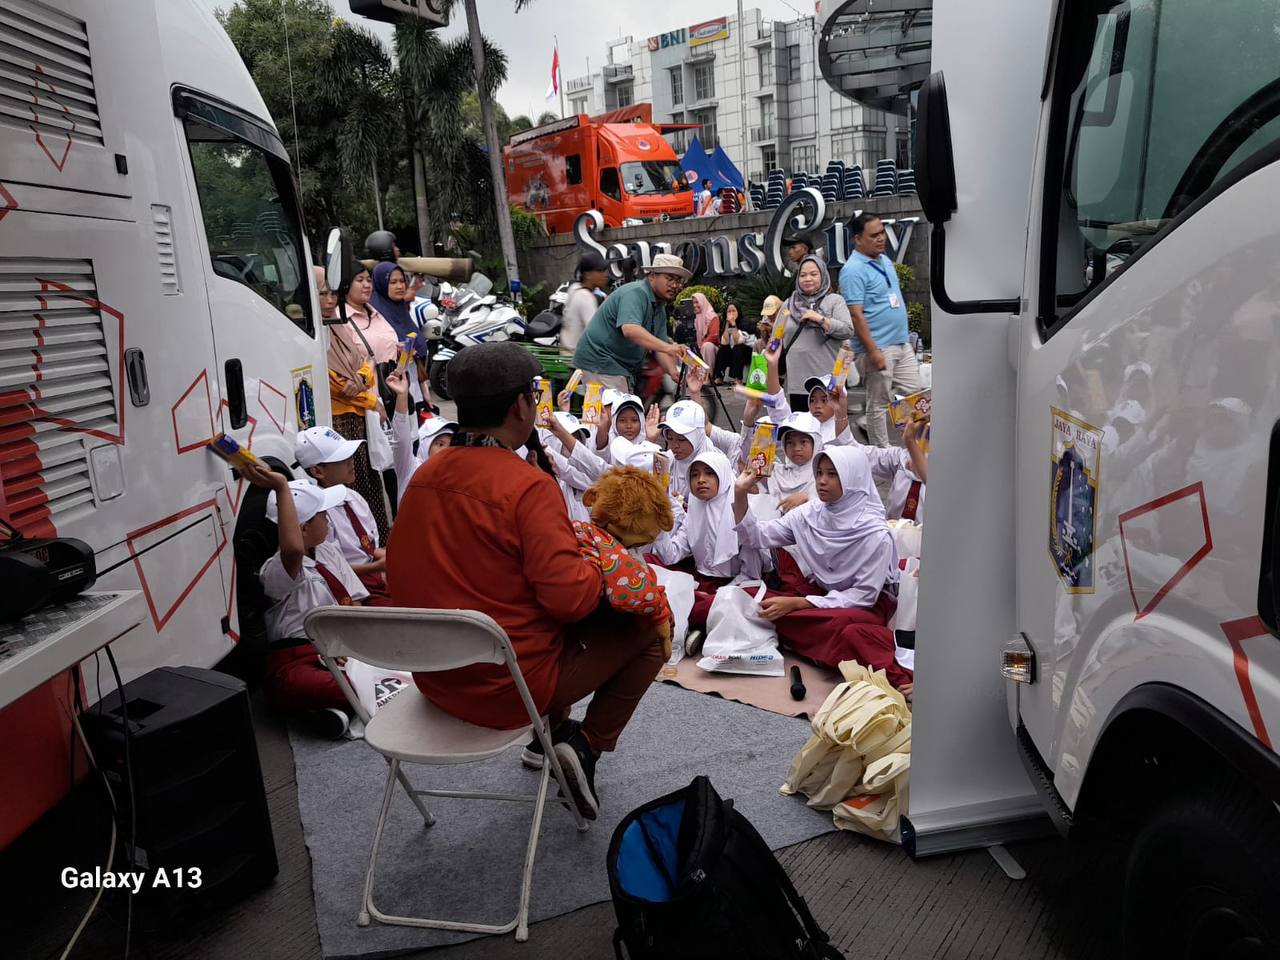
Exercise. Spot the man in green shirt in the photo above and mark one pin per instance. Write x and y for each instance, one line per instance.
(631, 323)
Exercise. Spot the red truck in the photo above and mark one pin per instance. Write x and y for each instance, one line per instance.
(626, 170)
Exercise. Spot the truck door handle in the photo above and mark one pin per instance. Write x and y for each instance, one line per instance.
(135, 367)
(235, 394)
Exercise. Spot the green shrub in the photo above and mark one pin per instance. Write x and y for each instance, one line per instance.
(905, 274)
(917, 314)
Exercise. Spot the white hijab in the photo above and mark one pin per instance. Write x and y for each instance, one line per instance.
(710, 524)
(789, 478)
(619, 446)
(841, 540)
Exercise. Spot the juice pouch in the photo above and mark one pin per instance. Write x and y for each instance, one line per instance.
(574, 380)
(662, 469)
(544, 402)
(758, 372)
(591, 404)
(779, 328)
(692, 359)
(406, 353)
(844, 360)
(764, 448)
(230, 451)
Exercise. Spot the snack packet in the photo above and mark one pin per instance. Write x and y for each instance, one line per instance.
(226, 447)
(764, 448)
(545, 404)
(591, 404)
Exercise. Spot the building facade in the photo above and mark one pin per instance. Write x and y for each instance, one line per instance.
(793, 119)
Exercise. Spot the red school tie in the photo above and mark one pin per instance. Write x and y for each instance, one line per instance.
(340, 593)
(365, 543)
(913, 501)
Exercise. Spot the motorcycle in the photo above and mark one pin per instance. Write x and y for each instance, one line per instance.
(544, 329)
(471, 315)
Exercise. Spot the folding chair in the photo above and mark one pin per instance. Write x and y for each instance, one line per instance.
(411, 729)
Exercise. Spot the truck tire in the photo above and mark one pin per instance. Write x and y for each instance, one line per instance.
(1201, 879)
(439, 379)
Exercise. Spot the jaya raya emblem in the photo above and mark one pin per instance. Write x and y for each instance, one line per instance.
(1073, 499)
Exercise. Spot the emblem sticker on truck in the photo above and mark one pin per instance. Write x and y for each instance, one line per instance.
(304, 397)
(1073, 499)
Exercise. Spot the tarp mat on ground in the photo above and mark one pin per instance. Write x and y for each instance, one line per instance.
(468, 865)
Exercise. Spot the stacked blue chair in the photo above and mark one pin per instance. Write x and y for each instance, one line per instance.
(777, 189)
(854, 187)
(799, 181)
(835, 172)
(906, 181)
(886, 179)
(757, 195)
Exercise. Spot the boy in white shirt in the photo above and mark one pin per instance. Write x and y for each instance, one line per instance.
(306, 572)
(328, 458)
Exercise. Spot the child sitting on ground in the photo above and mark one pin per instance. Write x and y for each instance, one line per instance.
(906, 469)
(575, 467)
(306, 572)
(329, 459)
(621, 426)
(706, 534)
(841, 612)
(411, 448)
(828, 402)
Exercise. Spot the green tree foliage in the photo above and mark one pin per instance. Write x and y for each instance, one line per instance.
(547, 116)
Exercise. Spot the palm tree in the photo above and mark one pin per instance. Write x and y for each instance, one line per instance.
(437, 75)
(548, 116)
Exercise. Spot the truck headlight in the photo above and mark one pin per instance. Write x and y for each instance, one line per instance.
(1018, 660)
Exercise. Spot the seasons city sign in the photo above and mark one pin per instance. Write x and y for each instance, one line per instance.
(695, 36)
(748, 252)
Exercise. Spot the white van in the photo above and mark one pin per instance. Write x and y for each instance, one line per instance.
(1102, 182)
(155, 289)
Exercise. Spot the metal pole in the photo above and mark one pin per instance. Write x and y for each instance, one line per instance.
(503, 211)
(742, 105)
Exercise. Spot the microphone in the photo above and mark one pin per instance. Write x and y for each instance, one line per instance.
(798, 691)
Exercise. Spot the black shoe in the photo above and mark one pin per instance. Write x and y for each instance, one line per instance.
(578, 761)
(532, 757)
(329, 723)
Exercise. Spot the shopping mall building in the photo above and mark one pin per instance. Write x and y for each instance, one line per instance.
(767, 90)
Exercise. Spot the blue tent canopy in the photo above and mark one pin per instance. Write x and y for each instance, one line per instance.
(716, 167)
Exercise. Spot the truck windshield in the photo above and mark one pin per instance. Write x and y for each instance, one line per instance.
(653, 176)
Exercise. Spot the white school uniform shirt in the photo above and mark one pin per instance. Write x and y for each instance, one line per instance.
(403, 459)
(893, 465)
(706, 531)
(292, 599)
(345, 536)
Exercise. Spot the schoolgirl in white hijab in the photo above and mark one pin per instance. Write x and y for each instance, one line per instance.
(435, 434)
(576, 467)
(685, 428)
(841, 536)
(706, 530)
(620, 441)
(793, 467)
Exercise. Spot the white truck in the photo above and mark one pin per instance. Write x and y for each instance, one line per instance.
(1101, 178)
(155, 289)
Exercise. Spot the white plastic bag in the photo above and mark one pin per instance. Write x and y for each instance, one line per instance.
(378, 442)
(680, 588)
(374, 686)
(739, 640)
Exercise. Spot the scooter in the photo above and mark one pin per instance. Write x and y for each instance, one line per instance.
(544, 329)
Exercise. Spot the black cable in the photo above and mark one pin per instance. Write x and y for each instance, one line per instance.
(133, 805)
(132, 557)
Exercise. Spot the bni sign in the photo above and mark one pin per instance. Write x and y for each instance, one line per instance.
(435, 12)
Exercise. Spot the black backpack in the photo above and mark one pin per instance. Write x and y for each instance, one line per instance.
(691, 878)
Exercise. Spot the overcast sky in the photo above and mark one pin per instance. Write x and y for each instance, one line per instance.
(584, 28)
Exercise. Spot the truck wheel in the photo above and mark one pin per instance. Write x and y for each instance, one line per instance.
(1201, 879)
(439, 379)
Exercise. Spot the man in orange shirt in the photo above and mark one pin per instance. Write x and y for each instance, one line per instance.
(481, 529)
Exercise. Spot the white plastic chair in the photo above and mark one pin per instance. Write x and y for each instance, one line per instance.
(411, 729)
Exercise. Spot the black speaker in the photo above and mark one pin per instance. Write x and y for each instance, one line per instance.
(197, 783)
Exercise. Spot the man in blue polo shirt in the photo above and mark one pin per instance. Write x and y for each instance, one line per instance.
(629, 324)
(886, 362)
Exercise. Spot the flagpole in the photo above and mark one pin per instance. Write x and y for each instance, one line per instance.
(559, 77)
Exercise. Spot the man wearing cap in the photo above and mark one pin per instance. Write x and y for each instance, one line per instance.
(589, 280)
(629, 324)
(481, 529)
(798, 246)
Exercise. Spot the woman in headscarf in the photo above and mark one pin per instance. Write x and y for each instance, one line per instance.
(352, 391)
(391, 298)
(818, 322)
(734, 352)
(370, 326)
(842, 538)
(707, 325)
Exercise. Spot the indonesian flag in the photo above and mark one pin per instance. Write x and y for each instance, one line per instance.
(554, 89)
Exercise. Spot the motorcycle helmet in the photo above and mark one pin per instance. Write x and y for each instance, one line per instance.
(380, 245)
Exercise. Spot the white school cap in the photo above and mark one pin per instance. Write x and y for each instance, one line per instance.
(323, 445)
(813, 383)
(805, 423)
(433, 426)
(308, 500)
(684, 418)
(571, 423)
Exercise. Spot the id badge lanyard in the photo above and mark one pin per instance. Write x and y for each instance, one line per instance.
(894, 299)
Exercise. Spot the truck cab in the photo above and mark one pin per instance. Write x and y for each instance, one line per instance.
(627, 171)
(1103, 274)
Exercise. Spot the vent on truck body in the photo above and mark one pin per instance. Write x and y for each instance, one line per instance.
(46, 73)
(56, 390)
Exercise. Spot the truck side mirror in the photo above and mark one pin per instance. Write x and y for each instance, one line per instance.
(936, 188)
(936, 170)
(337, 269)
